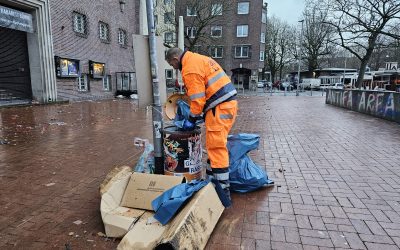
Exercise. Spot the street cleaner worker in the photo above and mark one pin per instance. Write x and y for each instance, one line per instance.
(213, 97)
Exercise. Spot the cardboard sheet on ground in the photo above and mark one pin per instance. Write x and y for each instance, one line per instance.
(192, 226)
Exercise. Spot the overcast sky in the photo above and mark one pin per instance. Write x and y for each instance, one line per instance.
(287, 10)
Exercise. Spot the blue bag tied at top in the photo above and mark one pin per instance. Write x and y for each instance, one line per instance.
(244, 175)
(168, 203)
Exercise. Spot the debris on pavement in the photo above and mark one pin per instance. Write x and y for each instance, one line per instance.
(101, 234)
(50, 184)
(71, 233)
(77, 222)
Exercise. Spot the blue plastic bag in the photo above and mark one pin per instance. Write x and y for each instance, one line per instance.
(240, 144)
(182, 113)
(244, 175)
(145, 163)
(168, 203)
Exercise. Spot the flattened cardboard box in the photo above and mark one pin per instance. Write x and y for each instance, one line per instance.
(189, 229)
(142, 189)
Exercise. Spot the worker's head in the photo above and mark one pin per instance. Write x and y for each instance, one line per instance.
(173, 56)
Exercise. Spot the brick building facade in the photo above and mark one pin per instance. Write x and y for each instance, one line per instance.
(67, 50)
(237, 37)
(98, 31)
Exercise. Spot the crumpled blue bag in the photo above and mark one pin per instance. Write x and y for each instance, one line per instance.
(168, 203)
(182, 113)
(244, 175)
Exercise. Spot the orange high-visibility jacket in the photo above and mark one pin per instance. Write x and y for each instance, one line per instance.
(206, 82)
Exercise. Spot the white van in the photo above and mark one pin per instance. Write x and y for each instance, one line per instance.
(308, 83)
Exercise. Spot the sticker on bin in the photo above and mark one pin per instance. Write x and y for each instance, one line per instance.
(194, 169)
(191, 163)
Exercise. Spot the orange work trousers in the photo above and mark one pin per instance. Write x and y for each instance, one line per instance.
(218, 124)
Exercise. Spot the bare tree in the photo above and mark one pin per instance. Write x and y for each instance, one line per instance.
(315, 42)
(277, 45)
(359, 24)
(200, 17)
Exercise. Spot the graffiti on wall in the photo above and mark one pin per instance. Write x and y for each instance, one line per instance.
(382, 104)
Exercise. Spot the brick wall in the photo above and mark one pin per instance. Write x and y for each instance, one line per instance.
(84, 48)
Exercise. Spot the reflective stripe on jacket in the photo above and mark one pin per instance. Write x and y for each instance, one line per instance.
(206, 82)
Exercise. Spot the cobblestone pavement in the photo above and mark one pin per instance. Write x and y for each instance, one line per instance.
(336, 175)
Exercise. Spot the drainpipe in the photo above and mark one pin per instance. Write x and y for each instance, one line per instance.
(157, 109)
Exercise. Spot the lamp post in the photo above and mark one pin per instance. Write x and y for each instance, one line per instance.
(298, 58)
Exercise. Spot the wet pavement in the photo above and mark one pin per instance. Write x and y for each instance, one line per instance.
(336, 174)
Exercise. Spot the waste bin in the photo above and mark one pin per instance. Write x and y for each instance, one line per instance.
(182, 153)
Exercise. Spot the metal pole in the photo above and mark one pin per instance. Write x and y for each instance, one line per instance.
(298, 59)
(157, 109)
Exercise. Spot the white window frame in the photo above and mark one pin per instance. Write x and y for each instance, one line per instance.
(169, 74)
(262, 38)
(83, 83)
(243, 5)
(216, 9)
(216, 28)
(191, 11)
(167, 2)
(122, 37)
(80, 23)
(104, 31)
(107, 83)
(262, 54)
(264, 17)
(242, 30)
(242, 55)
(190, 33)
(217, 51)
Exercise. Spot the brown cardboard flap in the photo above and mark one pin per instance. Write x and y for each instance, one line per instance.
(142, 189)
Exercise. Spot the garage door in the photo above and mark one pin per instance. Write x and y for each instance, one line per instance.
(14, 65)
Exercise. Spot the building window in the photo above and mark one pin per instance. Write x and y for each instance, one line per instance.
(217, 51)
(168, 18)
(242, 30)
(243, 8)
(155, 20)
(262, 37)
(80, 23)
(154, 3)
(104, 32)
(262, 56)
(169, 37)
(216, 9)
(167, 2)
(83, 82)
(216, 31)
(169, 74)
(122, 38)
(191, 11)
(264, 17)
(191, 32)
(242, 51)
(107, 83)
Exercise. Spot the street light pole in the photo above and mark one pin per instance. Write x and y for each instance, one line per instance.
(157, 109)
(298, 58)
